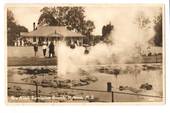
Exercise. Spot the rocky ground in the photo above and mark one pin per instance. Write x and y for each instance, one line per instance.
(136, 79)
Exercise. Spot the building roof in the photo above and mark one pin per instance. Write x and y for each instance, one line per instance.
(51, 31)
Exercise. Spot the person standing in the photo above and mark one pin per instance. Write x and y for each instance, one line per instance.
(44, 46)
(51, 50)
(35, 49)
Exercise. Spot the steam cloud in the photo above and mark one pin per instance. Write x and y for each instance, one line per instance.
(126, 37)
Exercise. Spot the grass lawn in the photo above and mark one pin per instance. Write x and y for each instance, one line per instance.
(24, 56)
(31, 61)
(27, 51)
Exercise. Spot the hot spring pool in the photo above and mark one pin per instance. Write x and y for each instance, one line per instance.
(93, 78)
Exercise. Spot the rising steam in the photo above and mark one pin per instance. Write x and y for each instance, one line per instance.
(127, 38)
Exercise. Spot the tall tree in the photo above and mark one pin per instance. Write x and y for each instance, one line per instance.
(106, 30)
(158, 30)
(13, 30)
(71, 17)
(11, 25)
(142, 21)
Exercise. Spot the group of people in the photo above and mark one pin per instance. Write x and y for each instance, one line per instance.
(45, 46)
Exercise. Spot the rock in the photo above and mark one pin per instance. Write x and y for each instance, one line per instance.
(46, 83)
(18, 88)
(33, 77)
(84, 79)
(67, 81)
(121, 88)
(116, 71)
(55, 86)
(92, 78)
(55, 77)
(146, 86)
(83, 83)
(134, 90)
(75, 83)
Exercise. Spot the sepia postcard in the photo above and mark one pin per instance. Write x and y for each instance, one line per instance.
(85, 53)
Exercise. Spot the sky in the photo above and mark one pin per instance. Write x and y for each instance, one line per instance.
(100, 14)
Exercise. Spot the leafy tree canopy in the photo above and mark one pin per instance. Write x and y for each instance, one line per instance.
(143, 23)
(72, 17)
(158, 30)
(106, 30)
(13, 30)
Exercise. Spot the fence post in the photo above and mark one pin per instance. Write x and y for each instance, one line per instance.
(36, 91)
(109, 89)
(112, 96)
